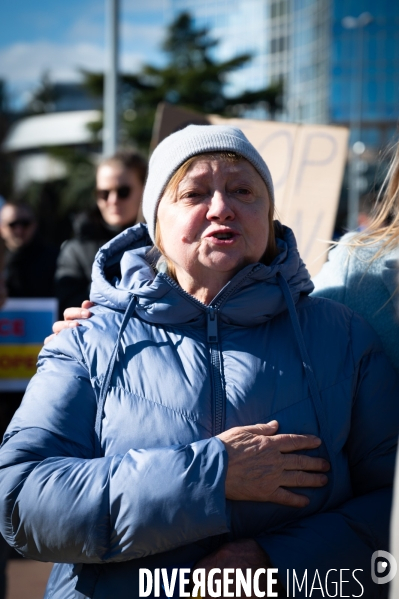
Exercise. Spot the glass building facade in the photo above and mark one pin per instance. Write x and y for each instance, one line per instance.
(364, 69)
(308, 80)
(334, 69)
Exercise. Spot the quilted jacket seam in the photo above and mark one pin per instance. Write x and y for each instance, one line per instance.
(153, 402)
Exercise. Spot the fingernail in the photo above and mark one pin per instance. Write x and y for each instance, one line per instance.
(273, 423)
(85, 313)
(326, 466)
(323, 479)
(73, 324)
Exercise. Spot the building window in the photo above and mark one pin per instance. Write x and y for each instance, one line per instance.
(278, 8)
(278, 44)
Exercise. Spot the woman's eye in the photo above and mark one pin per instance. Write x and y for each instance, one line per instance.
(242, 191)
(192, 195)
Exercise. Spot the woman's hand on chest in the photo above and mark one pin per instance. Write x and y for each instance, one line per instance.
(261, 464)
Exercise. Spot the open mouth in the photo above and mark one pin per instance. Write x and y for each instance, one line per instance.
(223, 235)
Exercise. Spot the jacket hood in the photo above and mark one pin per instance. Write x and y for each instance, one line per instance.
(122, 269)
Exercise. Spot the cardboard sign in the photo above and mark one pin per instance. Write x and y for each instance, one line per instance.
(307, 165)
(24, 323)
(169, 119)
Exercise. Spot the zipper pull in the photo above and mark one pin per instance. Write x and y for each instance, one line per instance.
(212, 326)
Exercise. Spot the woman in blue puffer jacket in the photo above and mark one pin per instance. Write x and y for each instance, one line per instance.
(148, 437)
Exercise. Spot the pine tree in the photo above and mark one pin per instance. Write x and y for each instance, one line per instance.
(191, 78)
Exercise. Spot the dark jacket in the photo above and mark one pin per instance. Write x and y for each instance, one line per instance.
(75, 262)
(30, 270)
(112, 462)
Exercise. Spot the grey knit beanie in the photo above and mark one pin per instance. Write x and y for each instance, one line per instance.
(174, 150)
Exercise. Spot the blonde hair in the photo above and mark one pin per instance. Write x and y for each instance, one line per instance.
(172, 187)
(384, 227)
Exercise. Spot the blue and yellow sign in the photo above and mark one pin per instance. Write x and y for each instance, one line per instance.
(24, 323)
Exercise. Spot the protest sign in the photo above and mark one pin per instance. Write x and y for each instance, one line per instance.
(307, 165)
(170, 118)
(24, 323)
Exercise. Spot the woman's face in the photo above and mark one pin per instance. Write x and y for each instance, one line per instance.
(119, 193)
(217, 222)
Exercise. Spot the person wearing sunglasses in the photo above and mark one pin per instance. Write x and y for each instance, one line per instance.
(119, 187)
(30, 263)
(29, 269)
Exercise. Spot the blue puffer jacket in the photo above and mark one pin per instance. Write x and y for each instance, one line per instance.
(111, 464)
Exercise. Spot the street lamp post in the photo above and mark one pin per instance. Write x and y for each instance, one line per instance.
(110, 129)
(358, 147)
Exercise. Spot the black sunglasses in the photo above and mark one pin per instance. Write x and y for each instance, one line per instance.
(20, 222)
(123, 192)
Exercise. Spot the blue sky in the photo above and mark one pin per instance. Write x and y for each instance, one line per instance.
(62, 35)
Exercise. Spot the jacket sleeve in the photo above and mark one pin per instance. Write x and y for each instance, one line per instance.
(60, 504)
(346, 537)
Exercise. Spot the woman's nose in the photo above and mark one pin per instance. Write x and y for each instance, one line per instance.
(220, 207)
(112, 197)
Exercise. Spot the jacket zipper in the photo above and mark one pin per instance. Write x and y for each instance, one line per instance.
(216, 374)
(213, 342)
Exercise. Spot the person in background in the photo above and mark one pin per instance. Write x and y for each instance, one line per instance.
(119, 189)
(27, 269)
(30, 263)
(361, 271)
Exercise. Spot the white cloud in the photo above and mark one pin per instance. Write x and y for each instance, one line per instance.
(82, 46)
(25, 63)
